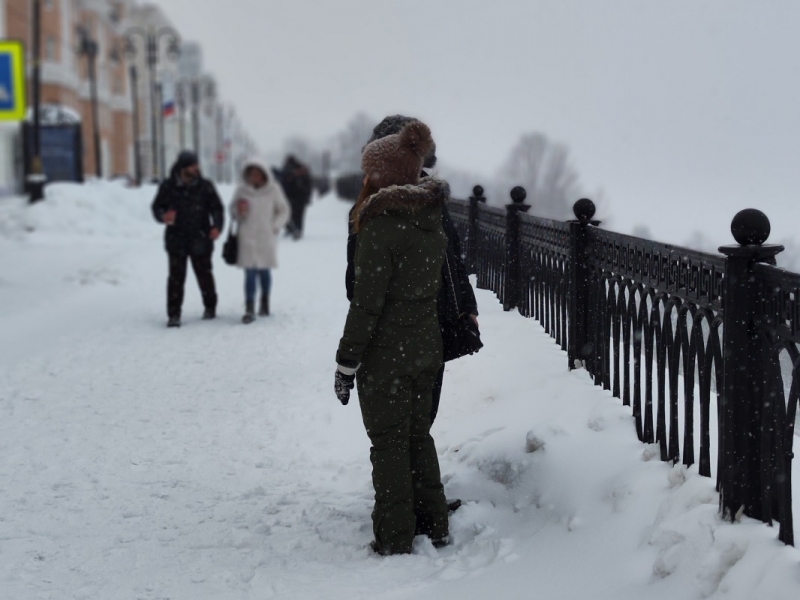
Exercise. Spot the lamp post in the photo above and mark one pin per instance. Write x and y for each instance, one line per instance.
(162, 147)
(36, 177)
(201, 89)
(88, 47)
(152, 39)
(220, 154)
(180, 99)
(137, 157)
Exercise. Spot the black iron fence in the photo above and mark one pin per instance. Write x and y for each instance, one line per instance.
(694, 342)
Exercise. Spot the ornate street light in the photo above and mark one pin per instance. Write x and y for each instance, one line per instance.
(36, 178)
(88, 47)
(202, 91)
(153, 40)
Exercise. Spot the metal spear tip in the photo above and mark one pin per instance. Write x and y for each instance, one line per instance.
(750, 227)
(477, 191)
(518, 195)
(584, 210)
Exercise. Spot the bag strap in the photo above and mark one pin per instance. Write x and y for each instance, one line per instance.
(452, 283)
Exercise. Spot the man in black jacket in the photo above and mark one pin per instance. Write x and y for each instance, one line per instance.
(456, 296)
(297, 185)
(189, 206)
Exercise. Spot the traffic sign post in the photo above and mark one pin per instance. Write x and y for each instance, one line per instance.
(12, 81)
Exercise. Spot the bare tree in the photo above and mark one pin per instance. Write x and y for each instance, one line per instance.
(349, 142)
(544, 169)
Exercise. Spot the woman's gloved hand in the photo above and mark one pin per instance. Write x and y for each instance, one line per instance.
(344, 382)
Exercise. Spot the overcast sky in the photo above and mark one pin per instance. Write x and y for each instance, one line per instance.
(693, 102)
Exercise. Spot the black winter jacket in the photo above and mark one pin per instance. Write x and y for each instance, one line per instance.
(456, 296)
(199, 209)
(296, 181)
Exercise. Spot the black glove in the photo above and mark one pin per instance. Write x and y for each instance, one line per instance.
(342, 386)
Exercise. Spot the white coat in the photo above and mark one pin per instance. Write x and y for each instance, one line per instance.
(259, 229)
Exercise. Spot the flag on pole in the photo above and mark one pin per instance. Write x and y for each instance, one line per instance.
(169, 108)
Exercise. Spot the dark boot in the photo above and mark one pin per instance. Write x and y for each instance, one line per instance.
(174, 322)
(382, 550)
(249, 313)
(263, 310)
(210, 313)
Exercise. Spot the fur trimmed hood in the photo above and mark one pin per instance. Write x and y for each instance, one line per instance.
(405, 199)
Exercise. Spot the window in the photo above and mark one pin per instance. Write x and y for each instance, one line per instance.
(115, 15)
(50, 48)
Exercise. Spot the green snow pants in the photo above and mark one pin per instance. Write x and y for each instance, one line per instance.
(405, 467)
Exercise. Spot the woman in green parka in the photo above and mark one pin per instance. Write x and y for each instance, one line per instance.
(392, 344)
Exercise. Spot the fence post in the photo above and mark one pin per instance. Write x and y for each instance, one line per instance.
(472, 231)
(580, 346)
(511, 288)
(744, 359)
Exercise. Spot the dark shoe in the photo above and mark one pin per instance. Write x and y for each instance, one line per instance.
(174, 322)
(249, 313)
(210, 313)
(441, 542)
(453, 506)
(263, 310)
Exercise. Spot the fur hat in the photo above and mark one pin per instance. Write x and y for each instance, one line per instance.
(393, 124)
(397, 159)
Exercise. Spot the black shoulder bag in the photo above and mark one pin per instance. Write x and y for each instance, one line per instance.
(230, 251)
(461, 336)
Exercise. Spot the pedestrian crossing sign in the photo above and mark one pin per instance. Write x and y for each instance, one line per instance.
(12, 81)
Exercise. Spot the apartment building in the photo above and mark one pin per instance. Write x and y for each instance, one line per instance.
(65, 81)
(66, 90)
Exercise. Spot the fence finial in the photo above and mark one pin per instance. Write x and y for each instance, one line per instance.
(477, 191)
(750, 227)
(518, 195)
(584, 210)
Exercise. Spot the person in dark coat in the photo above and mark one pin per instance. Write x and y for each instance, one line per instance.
(456, 296)
(189, 206)
(391, 340)
(298, 186)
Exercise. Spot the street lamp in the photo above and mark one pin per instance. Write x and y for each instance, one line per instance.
(88, 47)
(152, 39)
(37, 178)
(202, 89)
(137, 157)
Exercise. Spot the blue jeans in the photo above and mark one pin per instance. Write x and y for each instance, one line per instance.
(250, 280)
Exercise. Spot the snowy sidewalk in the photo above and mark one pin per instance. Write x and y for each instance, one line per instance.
(215, 461)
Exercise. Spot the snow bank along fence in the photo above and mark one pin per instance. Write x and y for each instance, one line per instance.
(626, 308)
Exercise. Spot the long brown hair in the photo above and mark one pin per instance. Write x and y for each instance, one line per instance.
(369, 190)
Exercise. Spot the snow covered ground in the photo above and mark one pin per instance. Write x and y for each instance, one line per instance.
(214, 461)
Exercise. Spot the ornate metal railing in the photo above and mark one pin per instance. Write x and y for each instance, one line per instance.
(661, 305)
(671, 331)
(777, 297)
(491, 261)
(544, 268)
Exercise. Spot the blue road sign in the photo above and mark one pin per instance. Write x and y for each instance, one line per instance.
(12, 81)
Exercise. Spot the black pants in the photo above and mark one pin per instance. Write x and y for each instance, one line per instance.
(298, 216)
(177, 278)
(437, 394)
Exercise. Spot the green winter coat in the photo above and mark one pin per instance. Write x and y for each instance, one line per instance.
(393, 316)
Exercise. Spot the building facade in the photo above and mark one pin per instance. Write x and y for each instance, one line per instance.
(65, 71)
(164, 96)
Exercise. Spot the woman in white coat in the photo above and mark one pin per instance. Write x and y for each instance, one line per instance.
(261, 211)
